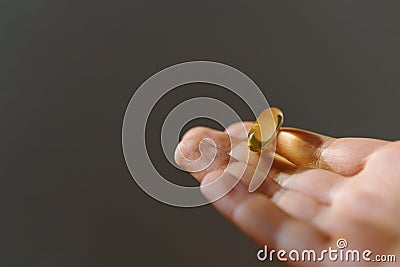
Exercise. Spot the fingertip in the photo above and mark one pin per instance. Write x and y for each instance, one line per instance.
(239, 130)
(224, 190)
(186, 151)
(217, 184)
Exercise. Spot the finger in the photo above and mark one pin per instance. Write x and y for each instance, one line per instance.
(345, 156)
(248, 172)
(239, 130)
(256, 167)
(321, 185)
(259, 167)
(305, 202)
(259, 218)
(189, 157)
(297, 204)
(316, 183)
(194, 154)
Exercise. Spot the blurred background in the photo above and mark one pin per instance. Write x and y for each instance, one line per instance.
(69, 68)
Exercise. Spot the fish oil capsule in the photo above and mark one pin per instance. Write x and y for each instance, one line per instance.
(264, 129)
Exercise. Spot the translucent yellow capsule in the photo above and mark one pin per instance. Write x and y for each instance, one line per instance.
(264, 129)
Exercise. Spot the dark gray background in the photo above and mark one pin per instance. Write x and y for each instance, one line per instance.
(69, 68)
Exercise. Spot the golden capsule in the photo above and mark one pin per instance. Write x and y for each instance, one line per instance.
(264, 129)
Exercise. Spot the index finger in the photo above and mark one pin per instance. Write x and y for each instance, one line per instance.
(345, 156)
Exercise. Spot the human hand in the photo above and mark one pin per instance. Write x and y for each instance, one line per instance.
(320, 190)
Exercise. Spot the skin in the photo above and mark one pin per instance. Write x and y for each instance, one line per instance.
(319, 189)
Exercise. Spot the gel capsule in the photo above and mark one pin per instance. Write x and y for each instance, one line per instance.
(264, 129)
